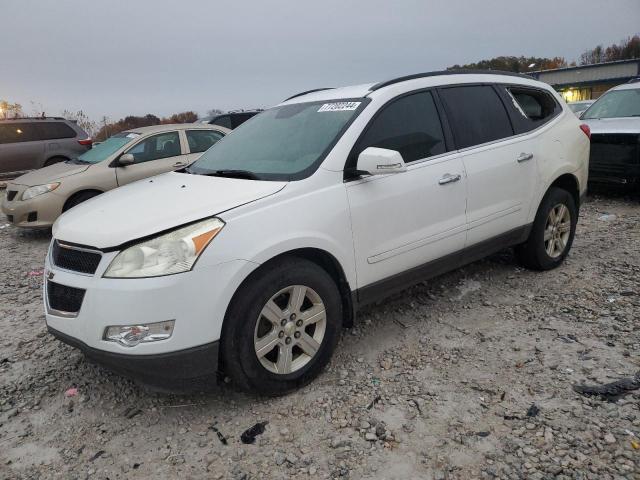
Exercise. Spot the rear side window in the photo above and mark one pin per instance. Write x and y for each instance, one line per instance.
(55, 130)
(532, 107)
(18, 132)
(476, 114)
(223, 121)
(201, 140)
(410, 125)
(239, 118)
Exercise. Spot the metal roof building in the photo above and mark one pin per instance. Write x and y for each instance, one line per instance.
(589, 81)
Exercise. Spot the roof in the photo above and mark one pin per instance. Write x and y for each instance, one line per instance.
(436, 78)
(165, 127)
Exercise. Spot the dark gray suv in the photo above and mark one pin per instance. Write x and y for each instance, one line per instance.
(30, 143)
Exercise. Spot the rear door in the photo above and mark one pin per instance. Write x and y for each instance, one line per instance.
(404, 220)
(20, 147)
(155, 154)
(501, 168)
(199, 141)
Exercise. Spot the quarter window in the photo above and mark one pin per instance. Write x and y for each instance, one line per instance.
(55, 130)
(410, 125)
(201, 140)
(533, 107)
(156, 147)
(476, 114)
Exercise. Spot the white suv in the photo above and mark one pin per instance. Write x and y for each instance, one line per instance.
(250, 261)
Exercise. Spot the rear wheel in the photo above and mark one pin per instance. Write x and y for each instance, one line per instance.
(552, 233)
(281, 327)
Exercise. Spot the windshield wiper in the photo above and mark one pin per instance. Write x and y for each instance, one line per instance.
(233, 174)
(76, 161)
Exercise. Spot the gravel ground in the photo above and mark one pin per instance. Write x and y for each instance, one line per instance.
(468, 376)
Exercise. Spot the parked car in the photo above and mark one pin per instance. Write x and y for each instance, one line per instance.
(614, 120)
(31, 143)
(230, 120)
(578, 108)
(251, 260)
(36, 199)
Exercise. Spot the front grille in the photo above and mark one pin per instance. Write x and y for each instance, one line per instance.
(11, 194)
(74, 258)
(614, 151)
(63, 298)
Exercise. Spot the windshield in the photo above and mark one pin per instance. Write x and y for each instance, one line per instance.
(108, 147)
(616, 104)
(283, 143)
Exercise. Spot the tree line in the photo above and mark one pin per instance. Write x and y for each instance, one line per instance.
(627, 49)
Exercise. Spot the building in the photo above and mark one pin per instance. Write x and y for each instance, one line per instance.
(588, 82)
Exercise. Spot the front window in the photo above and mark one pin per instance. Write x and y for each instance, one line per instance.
(105, 149)
(283, 143)
(616, 104)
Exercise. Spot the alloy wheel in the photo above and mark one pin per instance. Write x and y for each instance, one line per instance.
(290, 329)
(557, 230)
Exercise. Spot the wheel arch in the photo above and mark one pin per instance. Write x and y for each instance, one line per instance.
(62, 158)
(570, 183)
(320, 257)
(78, 193)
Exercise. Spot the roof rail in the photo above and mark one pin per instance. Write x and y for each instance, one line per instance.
(33, 118)
(308, 91)
(386, 83)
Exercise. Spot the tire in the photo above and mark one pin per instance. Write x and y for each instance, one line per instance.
(246, 326)
(54, 160)
(77, 199)
(540, 252)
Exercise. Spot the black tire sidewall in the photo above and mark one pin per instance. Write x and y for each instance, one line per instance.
(536, 238)
(240, 360)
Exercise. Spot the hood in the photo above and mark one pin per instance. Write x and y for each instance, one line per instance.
(50, 174)
(153, 205)
(613, 125)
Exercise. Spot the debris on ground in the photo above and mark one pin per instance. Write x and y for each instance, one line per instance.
(219, 434)
(611, 391)
(533, 410)
(250, 434)
(71, 392)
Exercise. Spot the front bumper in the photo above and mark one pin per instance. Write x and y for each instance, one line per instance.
(38, 212)
(168, 370)
(197, 301)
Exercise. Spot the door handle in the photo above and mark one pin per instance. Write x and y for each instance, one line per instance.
(449, 178)
(523, 157)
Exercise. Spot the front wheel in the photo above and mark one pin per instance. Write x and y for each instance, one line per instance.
(281, 327)
(552, 232)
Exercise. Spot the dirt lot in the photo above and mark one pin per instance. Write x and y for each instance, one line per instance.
(436, 382)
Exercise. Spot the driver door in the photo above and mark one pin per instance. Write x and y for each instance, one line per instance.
(156, 154)
(406, 220)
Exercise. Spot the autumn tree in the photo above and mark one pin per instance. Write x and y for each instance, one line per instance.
(514, 64)
(627, 49)
(10, 110)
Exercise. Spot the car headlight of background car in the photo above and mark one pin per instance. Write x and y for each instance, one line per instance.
(31, 192)
(168, 253)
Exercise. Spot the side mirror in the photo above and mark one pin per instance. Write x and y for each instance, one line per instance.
(126, 159)
(380, 161)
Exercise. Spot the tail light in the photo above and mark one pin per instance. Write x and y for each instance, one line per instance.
(86, 142)
(587, 131)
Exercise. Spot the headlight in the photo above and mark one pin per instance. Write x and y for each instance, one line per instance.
(31, 192)
(169, 253)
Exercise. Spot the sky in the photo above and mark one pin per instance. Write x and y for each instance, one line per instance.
(113, 57)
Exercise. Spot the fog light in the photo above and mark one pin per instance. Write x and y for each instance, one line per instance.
(132, 335)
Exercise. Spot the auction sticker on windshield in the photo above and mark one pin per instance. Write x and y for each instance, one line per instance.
(339, 106)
